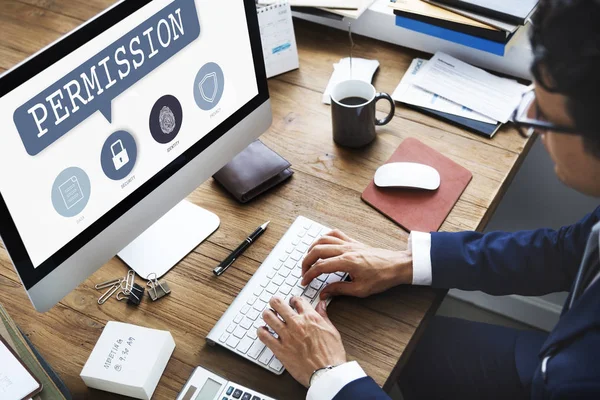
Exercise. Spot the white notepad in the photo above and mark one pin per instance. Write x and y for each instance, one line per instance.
(16, 383)
(278, 39)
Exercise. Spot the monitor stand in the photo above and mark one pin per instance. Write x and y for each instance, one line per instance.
(160, 247)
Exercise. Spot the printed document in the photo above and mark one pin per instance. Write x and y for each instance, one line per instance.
(408, 93)
(15, 381)
(471, 87)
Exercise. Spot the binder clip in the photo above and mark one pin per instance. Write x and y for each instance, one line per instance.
(135, 295)
(157, 289)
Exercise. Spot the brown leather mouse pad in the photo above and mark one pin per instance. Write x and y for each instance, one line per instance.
(416, 209)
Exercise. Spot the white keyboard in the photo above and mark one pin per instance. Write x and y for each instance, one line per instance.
(279, 275)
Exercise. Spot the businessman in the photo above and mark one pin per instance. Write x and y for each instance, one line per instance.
(456, 359)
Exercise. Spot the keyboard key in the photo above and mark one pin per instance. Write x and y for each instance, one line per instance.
(224, 337)
(239, 332)
(291, 280)
(300, 285)
(266, 356)
(237, 394)
(332, 279)
(231, 328)
(251, 300)
(230, 391)
(255, 349)
(245, 309)
(341, 274)
(278, 280)
(314, 231)
(303, 248)
(297, 272)
(310, 293)
(297, 291)
(296, 241)
(255, 398)
(283, 257)
(308, 240)
(233, 341)
(257, 292)
(316, 284)
(285, 289)
(290, 264)
(266, 296)
(284, 272)
(272, 288)
(259, 322)
(253, 314)
(252, 333)
(278, 266)
(323, 277)
(244, 345)
(247, 323)
(246, 396)
(270, 275)
(289, 249)
(306, 224)
(296, 255)
(265, 282)
(302, 233)
(260, 305)
(276, 365)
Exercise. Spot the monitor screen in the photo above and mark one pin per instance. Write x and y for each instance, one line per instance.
(137, 93)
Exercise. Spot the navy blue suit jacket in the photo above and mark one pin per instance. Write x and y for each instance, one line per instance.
(530, 263)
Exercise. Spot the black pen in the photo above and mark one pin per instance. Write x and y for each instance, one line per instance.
(240, 250)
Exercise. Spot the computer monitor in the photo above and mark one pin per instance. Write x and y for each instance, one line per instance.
(110, 127)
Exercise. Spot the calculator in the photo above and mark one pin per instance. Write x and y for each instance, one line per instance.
(204, 385)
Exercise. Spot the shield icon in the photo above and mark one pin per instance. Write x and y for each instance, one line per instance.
(209, 87)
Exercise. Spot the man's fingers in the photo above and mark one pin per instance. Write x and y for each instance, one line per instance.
(268, 340)
(335, 264)
(322, 251)
(339, 289)
(300, 304)
(341, 235)
(322, 310)
(282, 308)
(326, 240)
(273, 321)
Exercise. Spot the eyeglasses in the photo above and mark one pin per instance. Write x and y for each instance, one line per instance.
(528, 118)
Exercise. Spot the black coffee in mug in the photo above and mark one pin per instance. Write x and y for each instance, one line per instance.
(353, 113)
(353, 101)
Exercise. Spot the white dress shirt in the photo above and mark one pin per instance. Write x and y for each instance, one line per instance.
(327, 386)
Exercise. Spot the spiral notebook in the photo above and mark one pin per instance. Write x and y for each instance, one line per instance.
(278, 38)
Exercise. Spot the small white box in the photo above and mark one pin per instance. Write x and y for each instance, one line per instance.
(128, 360)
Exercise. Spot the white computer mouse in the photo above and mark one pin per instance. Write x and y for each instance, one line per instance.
(407, 175)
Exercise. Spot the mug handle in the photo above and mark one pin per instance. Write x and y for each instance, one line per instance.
(386, 120)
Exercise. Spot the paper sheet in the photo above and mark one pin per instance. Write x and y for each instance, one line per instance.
(470, 86)
(408, 93)
(362, 70)
(15, 381)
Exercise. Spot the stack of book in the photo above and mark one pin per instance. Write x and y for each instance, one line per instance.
(487, 25)
(53, 387)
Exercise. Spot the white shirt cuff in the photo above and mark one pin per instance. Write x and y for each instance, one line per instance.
(330, 383)
(420, 243)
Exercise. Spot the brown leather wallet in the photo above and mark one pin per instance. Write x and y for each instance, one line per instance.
(254, 171)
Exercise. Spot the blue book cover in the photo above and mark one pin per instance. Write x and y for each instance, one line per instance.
(452, 36)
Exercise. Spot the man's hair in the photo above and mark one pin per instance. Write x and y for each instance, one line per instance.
(566, 44)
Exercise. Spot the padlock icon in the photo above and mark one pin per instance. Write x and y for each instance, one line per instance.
(119, 153)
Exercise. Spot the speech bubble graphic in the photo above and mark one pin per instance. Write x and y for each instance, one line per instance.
(96, 83)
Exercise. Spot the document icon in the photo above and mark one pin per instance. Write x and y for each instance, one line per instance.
(71, 192)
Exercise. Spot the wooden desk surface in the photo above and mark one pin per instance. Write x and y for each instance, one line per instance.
(326, 187)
